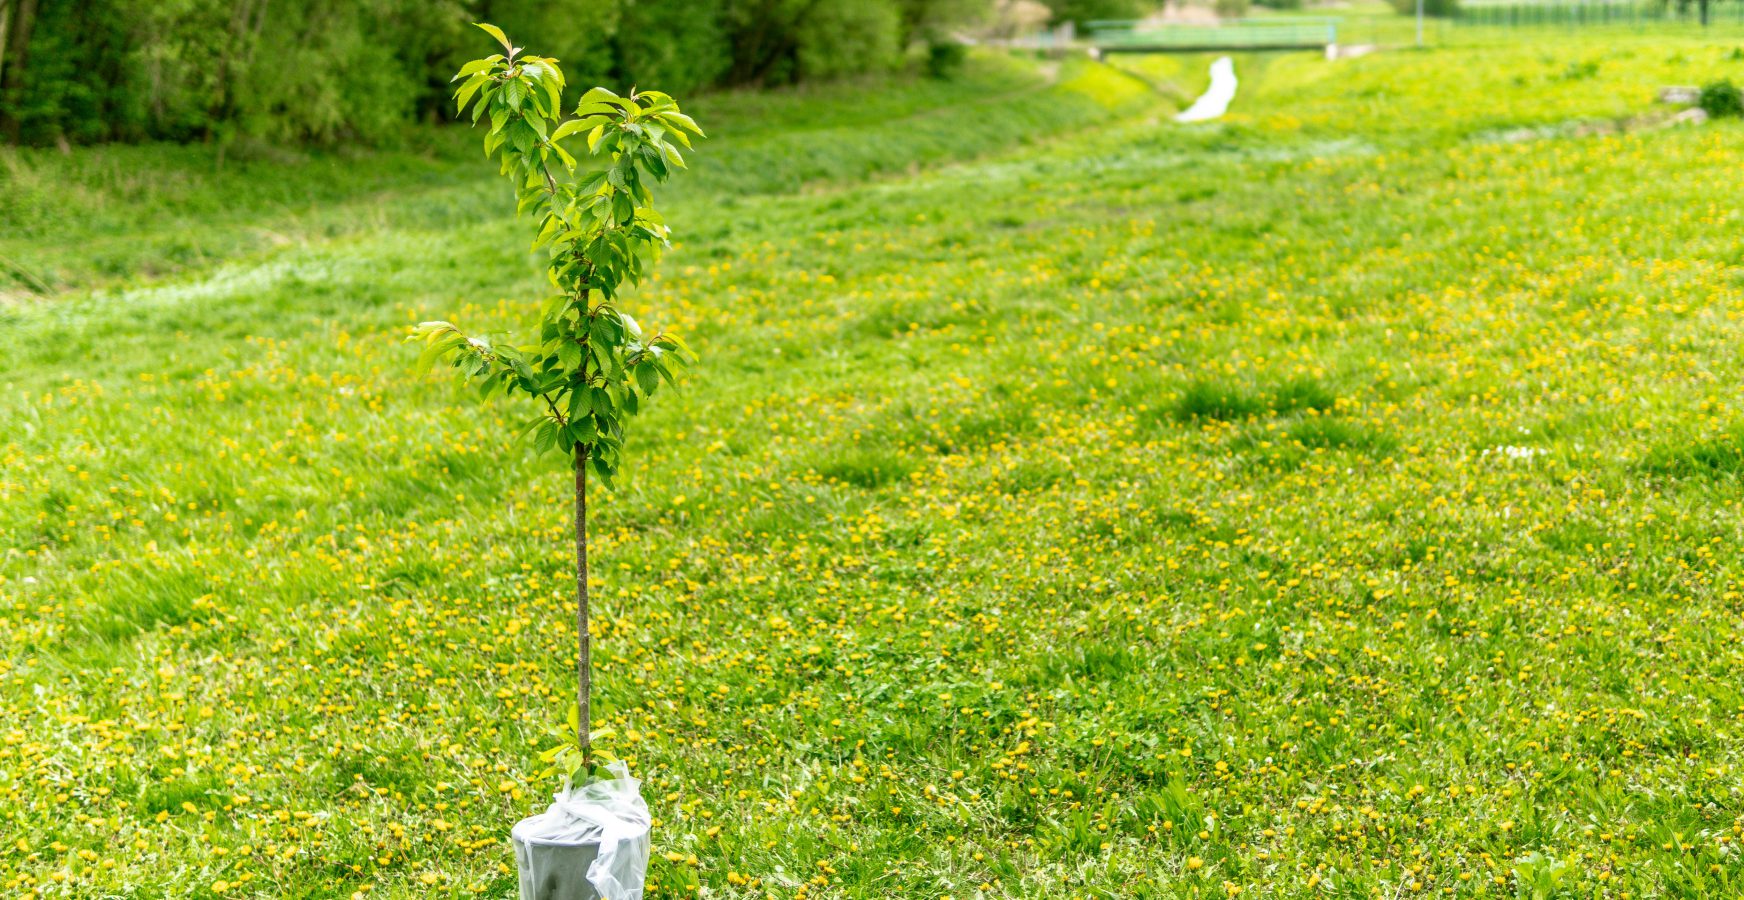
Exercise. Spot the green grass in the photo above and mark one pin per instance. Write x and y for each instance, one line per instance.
(122, 212)
(1335, 500)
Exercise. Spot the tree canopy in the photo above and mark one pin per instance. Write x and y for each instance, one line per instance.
(85, 71)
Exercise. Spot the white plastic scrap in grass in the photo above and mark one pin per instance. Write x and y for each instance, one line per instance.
(1215, 101)
(1509, 451)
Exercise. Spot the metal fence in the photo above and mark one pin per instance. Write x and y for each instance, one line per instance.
(1591, 13)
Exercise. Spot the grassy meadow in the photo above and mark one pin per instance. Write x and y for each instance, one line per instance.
(1336, 500)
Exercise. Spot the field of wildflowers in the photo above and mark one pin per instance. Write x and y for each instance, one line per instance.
(1338, 500)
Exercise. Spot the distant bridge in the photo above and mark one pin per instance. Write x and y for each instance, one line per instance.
(1132, 36)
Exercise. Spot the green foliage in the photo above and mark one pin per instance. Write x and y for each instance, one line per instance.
(1438, 8)
(212, 70)
(1720, 457)
(932, 20)
(1204, 399)
(1721, 99)
(945, 58)
(100, 70)
(592, 366)
(157, 209)
(1082, 11)
(237, 570)
(680, 44)
(846, 37)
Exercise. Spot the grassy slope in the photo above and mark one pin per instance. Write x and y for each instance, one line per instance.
(127, 212)
(1125, 516)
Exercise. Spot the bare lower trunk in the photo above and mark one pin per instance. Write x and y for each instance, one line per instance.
(20, 21)
(5, 22)
(584, 656)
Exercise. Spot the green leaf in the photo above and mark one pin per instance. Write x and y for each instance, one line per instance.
(568, 161)
(476, 66)
(554, 91)
(466, 91)
(497, 33)
(522, 136)
(602, 95)
(683, 121)
(602, 332)
(545, 231)
(575, 126)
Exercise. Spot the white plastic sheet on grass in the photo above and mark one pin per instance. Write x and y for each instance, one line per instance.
(610, 813)
(1215, 101)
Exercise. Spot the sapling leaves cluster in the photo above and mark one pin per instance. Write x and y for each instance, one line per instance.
(592, 366)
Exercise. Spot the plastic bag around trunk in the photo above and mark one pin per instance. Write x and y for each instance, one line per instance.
(591, 843)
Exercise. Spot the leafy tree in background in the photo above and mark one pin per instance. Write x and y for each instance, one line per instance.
(679, 44)
(929, 20)
(360, 70)
(1437, 8)
(1079, 12)
(591, 368)
(577, 33)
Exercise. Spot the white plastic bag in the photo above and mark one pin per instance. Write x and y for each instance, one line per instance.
(608, 814)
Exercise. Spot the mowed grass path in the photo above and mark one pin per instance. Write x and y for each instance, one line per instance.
(1340, 500)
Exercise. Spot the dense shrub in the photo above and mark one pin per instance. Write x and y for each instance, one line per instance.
(95, 70)
(845, 37)
(1438, 8)
(1720, 99)
(1082, 11)
(945, 58)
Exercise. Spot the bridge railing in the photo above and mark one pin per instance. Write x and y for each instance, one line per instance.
(1234, 35)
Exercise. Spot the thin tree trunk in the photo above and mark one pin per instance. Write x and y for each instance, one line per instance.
(584, 644)
(20, 22)
(5, 21)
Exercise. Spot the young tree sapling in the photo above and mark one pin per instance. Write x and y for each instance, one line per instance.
(591, 367)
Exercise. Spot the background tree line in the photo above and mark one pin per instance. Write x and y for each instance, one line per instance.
(85, 71)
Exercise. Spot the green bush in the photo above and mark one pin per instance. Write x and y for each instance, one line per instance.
(103, 70)
(1082, 11)
(945, 58)
(1440, 9)
(846, 37)
(1720, 99)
